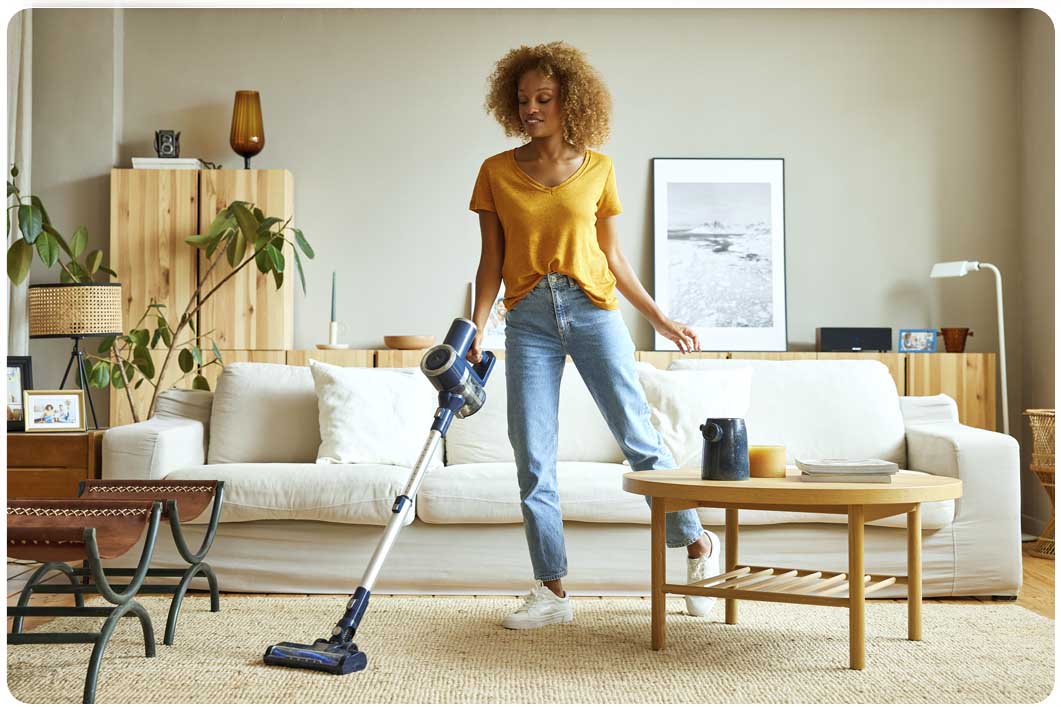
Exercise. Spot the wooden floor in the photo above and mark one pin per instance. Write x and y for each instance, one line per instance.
(1037, 594)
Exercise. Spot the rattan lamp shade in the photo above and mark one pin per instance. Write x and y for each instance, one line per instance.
(75, 309)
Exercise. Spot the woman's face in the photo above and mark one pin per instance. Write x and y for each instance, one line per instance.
(539, 105)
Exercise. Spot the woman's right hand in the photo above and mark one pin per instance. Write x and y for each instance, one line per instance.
(475, 352)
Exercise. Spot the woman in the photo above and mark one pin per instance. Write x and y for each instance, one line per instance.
(547, 216)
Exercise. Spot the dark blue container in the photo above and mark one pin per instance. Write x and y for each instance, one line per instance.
(725, 449)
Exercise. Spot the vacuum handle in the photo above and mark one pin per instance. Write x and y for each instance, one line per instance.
(485, 366)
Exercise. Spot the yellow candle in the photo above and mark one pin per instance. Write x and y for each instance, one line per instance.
(766, 460)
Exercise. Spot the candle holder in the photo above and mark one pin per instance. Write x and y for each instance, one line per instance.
(333, 338)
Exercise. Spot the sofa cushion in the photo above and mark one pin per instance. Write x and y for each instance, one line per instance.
(373, 415)
(820, 409)
(336, 493)
(488, 493)
(583, 434)
(681, 400)
(263, 412)
(593, 493)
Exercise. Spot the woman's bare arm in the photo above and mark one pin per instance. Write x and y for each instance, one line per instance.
(488, 276)
(630, 286)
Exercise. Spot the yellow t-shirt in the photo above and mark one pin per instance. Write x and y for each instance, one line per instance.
(551, 229)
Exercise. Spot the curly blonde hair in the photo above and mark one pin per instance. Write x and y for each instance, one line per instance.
(585, 101)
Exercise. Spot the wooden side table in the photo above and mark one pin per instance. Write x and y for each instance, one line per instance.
(50, 464)
(680, 489)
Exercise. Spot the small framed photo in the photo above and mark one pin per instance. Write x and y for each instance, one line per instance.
(917, 340)
(19, 379)
(54, 410)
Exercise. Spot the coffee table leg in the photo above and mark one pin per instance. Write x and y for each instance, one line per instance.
(913, 573)
(731, 559)
(659, 572)
(856, 569)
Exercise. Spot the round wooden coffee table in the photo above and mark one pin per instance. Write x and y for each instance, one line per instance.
(680, 489)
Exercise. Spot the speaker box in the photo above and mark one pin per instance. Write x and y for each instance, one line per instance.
(853, 339)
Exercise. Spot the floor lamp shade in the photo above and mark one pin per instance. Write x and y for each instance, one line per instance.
(248, 136)
(75, 310)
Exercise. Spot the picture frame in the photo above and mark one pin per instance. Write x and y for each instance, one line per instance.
(917, 341)
(719, 246)
(19, 379)
(54, 410)
(494, 331)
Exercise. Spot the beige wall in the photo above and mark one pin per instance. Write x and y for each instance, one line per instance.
(905, 133)
(73, 150)
(1036, 348)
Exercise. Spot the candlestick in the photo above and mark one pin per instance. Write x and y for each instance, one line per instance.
(333, 296)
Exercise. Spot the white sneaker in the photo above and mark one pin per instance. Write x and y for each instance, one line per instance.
(540, 608)
(701, 568)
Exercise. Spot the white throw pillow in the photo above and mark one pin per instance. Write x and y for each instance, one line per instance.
(681, 400)
(373, 415)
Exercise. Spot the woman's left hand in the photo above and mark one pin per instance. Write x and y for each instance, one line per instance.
(679, 333)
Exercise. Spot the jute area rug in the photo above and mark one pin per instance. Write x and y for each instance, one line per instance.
(453, 650)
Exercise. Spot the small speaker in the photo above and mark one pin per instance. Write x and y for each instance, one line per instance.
(853, 339)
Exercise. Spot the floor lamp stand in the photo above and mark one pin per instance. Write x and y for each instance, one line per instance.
(78, 355)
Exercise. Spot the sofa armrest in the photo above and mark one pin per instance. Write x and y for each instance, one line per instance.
(987, 535)
(924, 409)
(174, 439)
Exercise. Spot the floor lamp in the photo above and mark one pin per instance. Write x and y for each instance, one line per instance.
(960, 268)
(74, 311)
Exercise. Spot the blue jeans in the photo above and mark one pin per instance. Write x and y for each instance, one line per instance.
(557, 319)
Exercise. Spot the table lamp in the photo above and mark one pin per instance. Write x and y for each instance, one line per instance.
(75, 310)
(960, 268)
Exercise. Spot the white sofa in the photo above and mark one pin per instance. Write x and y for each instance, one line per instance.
(290, 525)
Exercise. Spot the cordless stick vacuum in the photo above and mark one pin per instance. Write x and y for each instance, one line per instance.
(461, 392)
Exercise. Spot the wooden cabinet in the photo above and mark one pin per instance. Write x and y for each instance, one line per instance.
(249, 312)
(152, 212)
(50, 464)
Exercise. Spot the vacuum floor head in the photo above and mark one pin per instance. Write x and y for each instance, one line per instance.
(323, 655)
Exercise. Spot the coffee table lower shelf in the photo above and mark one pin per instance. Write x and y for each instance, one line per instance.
(783, 584)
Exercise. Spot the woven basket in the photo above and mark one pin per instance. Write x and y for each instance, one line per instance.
(1042, 424)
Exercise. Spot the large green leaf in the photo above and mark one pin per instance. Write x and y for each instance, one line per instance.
(139, 337)
(221, 223)
(258, 214)
(78, 271)
(167, 336)
(93, 261)
(185, 360)
(268, 223)
(197, 354)
(200, 241)
(79, 241)
(262, 260)
(30, 222)
(58, 239)
(99, 375)
(276, 256)
(36, 201)
(278, 278)
(298, 267)
(106, 344)
(200, 383)
(142, 360)
(19, 259)
(47, 249)
(237, 248)
(246, 221)
(104, 268)
(303, 243)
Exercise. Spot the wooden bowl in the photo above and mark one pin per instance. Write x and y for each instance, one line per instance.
(408, 342)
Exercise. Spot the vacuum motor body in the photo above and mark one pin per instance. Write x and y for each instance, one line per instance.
(449, 371)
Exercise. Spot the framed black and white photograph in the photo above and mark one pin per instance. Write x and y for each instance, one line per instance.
(54, 410)
(494, 332)
(19, 379)
(917, 341)
(719, 228)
